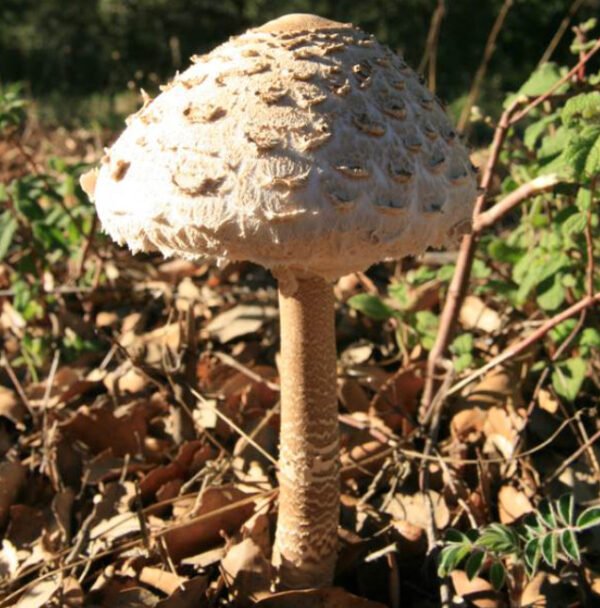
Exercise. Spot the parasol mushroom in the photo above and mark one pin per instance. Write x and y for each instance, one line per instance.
(306, 146)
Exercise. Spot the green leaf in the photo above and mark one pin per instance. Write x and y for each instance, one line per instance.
(546, 514)
(551, 293)
(535, 130)
(474, 564)
(562, 331)
(565, 508)
(371, 306)
(399, 291)
(532, 554)
(8, 227)
(450, 558)
(455, 536)
(497, 575)
(549, 547)
(590, 338)
(552, 145)
(462, 344)
(498, 538)
(568, 376)
(575, 223)
(582, 153)
(586, 106)
(500, 250)
(589, 518)
(584, 199)
(539, 82)
(426, 325)
(570, 546)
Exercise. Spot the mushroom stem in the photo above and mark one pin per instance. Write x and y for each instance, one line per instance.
(306, 538)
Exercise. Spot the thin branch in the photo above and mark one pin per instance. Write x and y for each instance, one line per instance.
(431, 45)
(482, 69)
(586, 446)
(572, 72)
(562, 28)
(536, 186)
(532, 338)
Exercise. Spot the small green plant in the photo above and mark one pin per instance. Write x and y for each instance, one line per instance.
(45, 222)
(545, 538)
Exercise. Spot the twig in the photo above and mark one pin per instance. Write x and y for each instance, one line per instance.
(236, 428)
(540, 184)
(574, 456)
(524, 344)
(240, 367)
(431, 45)
(562, 28)
(572, 72)
(481, 70)
(4, 362)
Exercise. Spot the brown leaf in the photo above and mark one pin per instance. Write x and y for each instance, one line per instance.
(163, 580)
(415, 509)
(332, 597)
(12, 478)
(512, 504)
(532, 596)
(246, 570)
(240, 320)
(99, 427)
(467, 425)
(476, 591)
(189, 595)
(352, 395)
(398, 399)
(39, 594)
(223, 509)
(475, 314)
(12, 408)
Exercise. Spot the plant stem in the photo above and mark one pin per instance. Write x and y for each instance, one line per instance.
(306, 538)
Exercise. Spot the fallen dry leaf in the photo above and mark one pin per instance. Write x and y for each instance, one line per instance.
(12, 478)
(39, 594)
(415, 509)
(162, 580)
(246, 571)
(477, 591)
(512, 504)
(101, 427)
(475, 314)
(188, 595)
(12, 408)
(221, 509)
(239, 321)
(332, 597)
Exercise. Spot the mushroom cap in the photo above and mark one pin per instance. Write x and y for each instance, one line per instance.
(301, 145)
